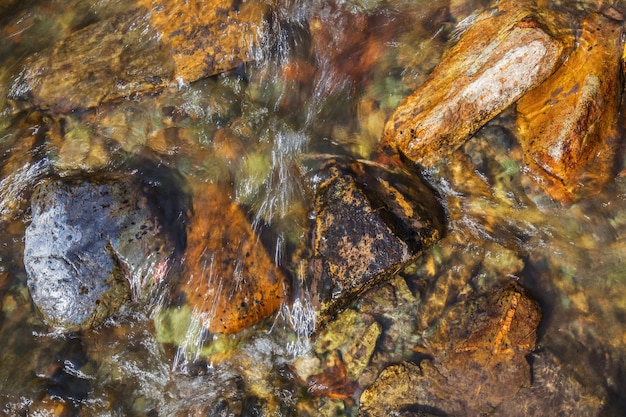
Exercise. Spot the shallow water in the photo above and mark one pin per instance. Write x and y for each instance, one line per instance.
(322, 82)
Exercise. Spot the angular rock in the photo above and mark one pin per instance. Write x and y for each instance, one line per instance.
(392, 392)
(486, 341)
(207, 37)
(478, 360)
(230, 280)
(91, 245)
(156, 45)
(568, 125)
(370, 222)
(497, 60)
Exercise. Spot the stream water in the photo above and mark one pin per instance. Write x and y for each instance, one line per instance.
(321, 81)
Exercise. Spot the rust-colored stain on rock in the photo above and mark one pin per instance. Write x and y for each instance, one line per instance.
(476, 358)
(230, 280)
(207, 37)
(370, 222)
(158, 44)
(486, 343)
(496, 61)
(568, 125)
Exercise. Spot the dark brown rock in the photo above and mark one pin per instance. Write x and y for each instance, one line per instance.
(478, 353)
(370, 222)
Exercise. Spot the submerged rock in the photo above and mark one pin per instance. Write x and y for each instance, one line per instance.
(156, 45)
(495, 62)
(370, 222)
(91, 245)
(568, 125)
(478, 353)
(230, 280)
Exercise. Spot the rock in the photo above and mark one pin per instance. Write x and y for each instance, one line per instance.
(207, 37)
(230, 280)
(392, 392)
(478, 360)
(361, 350)
(568, 125)
(496, 61)
(158, 44)
(91, 245)
(370, 222)
(480, 347)
(554, 393)
(108, 60)
(50, 407)
(347, 345)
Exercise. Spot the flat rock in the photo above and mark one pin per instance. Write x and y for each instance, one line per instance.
(156, 45)
(568, 125)
(370, 222)
(91, 246)
(503, 55)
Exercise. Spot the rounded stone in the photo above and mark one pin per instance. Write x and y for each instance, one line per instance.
(91, 245)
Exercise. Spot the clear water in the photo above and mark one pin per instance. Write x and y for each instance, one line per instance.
(322, 82)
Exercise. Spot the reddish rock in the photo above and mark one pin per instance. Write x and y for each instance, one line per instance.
(477, 359)
(568, 125)
(230, 280)
(495, 62)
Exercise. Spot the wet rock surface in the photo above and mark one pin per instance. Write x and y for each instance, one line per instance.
(91, 245)
(568, 125)
(247, 128)
(230, 280)
(370, 222)
(503, 55)
(158, 44)
(478, 359)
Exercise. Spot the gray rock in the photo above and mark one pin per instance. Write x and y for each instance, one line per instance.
(92, 245)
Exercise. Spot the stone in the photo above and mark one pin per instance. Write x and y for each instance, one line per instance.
(486, 341)
(104, 61)
(554, 392)
(391, 392)
(230, 281)
(361, 350)
(499, 58)
(156, 45)
(370, 222)
(207, 37)
(93, 244)
(568, 125)
(477, 359)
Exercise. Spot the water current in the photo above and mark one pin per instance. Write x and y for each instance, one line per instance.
(320, 80)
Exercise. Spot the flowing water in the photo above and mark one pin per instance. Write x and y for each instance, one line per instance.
(322, 79)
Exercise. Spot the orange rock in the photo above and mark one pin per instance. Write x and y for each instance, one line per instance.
(207, 37)
(568, 125)
(156, 45)
(496, 61)
(230, 280)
